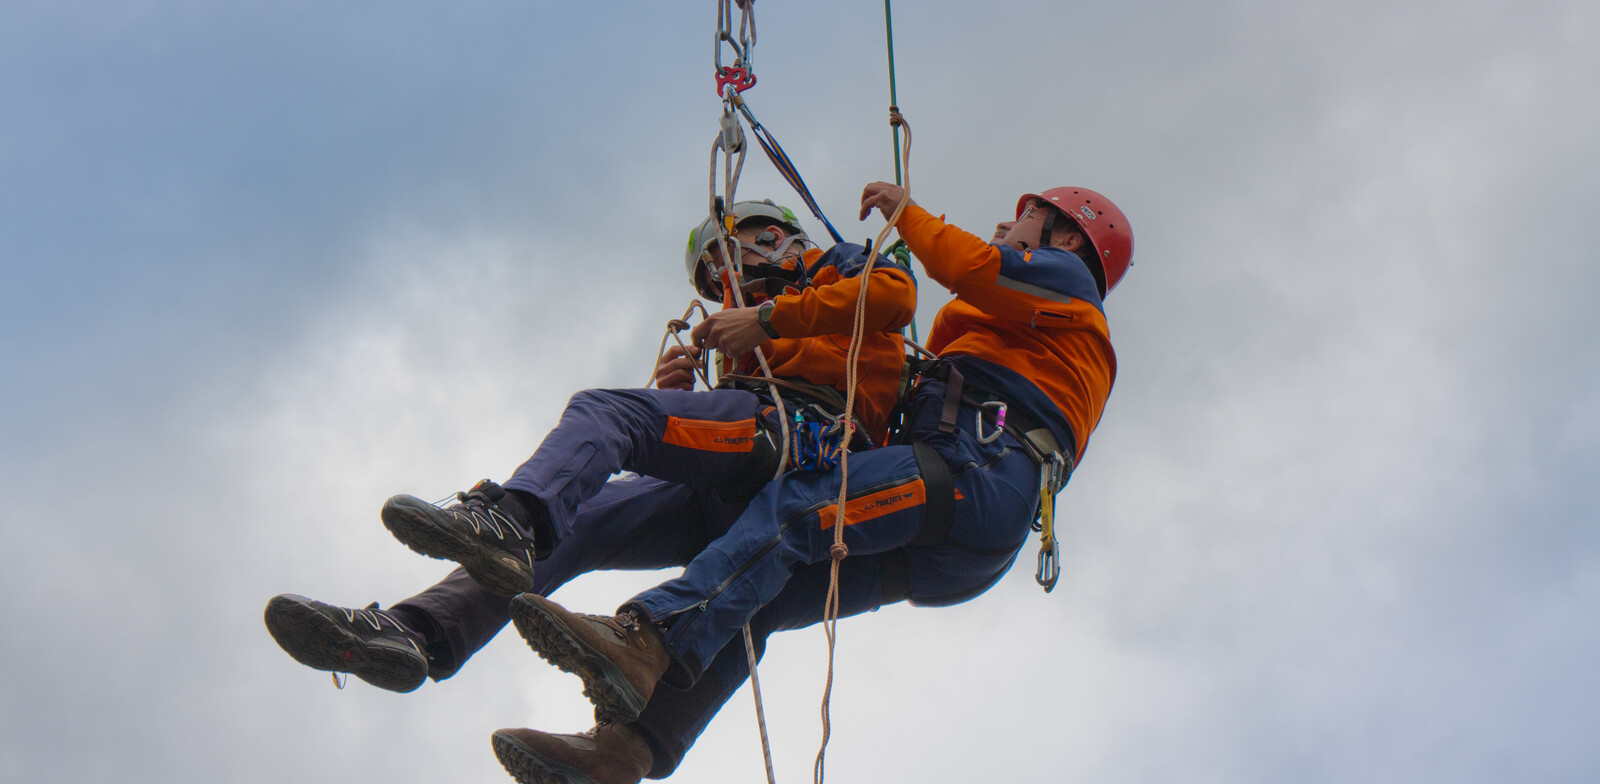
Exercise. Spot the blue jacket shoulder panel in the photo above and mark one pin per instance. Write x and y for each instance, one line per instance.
(1052, 273)
(850, 258)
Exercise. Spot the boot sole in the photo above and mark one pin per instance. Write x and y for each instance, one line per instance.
(317, 641)
(528, 766)
(411, 522)
(555, 642)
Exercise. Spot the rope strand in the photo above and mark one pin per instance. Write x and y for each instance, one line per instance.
(840, 550)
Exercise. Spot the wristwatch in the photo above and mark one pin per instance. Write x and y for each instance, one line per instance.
(764, 318)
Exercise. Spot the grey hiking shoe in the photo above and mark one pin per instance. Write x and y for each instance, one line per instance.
(608, 754)
(476, 532)
(619, 659)
(371, 644)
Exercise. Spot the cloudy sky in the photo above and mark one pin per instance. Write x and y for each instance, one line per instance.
(265, 265)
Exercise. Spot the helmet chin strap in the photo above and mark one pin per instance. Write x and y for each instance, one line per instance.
(1048, 228)
(781, 252)
(784, 251)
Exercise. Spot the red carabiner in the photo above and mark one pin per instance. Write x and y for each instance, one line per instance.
(741, 79)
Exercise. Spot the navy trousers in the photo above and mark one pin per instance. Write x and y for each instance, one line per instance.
(767, 564)
(790, 525)
(711, 439)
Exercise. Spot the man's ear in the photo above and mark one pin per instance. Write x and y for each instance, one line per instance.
(771, 237)
(1071, 241)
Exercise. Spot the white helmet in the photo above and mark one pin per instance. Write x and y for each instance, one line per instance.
(700, 240)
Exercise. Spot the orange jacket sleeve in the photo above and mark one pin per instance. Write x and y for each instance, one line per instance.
(830, 308)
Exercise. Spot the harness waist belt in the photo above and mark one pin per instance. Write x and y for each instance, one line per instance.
(1038, 440)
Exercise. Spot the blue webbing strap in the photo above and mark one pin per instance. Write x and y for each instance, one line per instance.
(786, 167)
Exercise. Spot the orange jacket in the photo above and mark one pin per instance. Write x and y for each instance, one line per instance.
(1028, 327)
(816, 323)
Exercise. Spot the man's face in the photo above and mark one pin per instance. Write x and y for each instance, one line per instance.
(1023, 233)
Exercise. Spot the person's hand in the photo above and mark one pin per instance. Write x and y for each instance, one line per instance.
(677, 367)
(734, 331)
(884, 196)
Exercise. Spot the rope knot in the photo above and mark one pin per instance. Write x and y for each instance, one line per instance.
(838, 551)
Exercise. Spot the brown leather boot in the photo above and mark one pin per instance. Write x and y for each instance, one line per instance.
(608, 754)
(619, 659)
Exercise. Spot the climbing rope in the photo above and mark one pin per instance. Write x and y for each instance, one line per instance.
(674, 331)
(731, 81)
(839, 550)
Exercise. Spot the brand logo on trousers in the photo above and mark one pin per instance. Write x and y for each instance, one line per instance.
(890, 501)
(731, 440)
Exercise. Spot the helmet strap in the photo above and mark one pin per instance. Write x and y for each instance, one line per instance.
(1048, 228)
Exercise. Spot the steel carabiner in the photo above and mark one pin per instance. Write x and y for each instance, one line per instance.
(999, 421)
(1049, 565)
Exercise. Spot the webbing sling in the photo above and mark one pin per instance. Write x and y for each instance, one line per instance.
(939, 496)
(938, 514)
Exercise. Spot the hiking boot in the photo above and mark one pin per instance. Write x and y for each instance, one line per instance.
(608, 754)
(619, 658)
(477, 532)
(371, 644)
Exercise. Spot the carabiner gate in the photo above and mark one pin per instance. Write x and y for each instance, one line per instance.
(999, 421)
(1049, 565)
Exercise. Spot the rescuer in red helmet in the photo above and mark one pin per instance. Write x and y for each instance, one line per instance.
(993, 430)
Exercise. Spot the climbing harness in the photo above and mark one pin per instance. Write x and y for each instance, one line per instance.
(1037, 440)
(1055, 468)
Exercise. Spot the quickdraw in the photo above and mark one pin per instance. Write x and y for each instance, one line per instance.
(1052, 475)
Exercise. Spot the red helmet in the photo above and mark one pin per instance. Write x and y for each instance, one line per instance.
(1105, 226)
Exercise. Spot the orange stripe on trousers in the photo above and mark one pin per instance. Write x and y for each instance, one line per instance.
(709, 436)
(871, 507)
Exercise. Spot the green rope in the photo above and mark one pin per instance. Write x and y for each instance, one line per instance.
(901, 253)
(894, 100)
